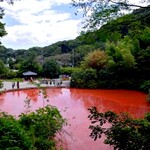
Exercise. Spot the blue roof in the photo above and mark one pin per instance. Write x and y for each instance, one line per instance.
(29, 73)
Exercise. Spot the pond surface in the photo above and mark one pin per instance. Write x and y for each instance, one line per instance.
(73, 105)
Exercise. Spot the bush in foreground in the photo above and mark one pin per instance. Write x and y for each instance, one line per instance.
(123, 133)
(31, 131)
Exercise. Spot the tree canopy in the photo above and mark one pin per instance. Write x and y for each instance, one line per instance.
(99, 12)
(2, 25)
(96, 60)
(51, 68)
(3, 69)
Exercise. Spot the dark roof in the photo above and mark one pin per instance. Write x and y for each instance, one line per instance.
(29, 73)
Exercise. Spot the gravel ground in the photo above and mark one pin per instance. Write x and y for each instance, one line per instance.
(26, 84)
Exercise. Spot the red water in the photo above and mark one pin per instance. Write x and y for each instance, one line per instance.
(73, 104)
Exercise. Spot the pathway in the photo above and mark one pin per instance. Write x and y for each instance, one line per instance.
(26, 84)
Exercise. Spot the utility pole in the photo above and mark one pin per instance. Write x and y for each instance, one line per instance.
(42, 59)
(73, 58)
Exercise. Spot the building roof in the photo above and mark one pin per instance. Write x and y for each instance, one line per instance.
(29, 73)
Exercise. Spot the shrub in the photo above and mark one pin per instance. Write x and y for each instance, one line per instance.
(11, 75)
(123, 132)
(31, 131)
(145, 86)
(84, 79)
(42, 126)
(1, 84)
(13, 136)
(68, 70)
(77, 79)
(90, 78)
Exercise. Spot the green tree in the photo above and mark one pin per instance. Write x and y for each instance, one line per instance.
(122, 131)
(68, 70)
(3, 69)
(103, 11)
(11, 63)
(1, 84)
(80, 52)
(86, 78)
(63, 59)
(95, 60)
(2, 25)
(120, 53)
(143, 61)
(2, 30)
(30, 65)
(51, 69)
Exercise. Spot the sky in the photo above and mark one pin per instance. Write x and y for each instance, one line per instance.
(31, 23)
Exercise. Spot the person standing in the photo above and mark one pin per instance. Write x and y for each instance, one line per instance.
(17, 84)
(13, 85)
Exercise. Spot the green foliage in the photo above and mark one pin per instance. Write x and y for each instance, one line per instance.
(117, 66)
(126, 64)
(119, 78)
(1, 84)
(95, 60)
(31, 131)
(103, 11)
(145, 86)
(144, 38)
(2, 30)
(3, 69)
(90, 78)
(42, 126)
(51, 69)
(125, 42)
(68, 70)
(121, 53)
(122, 131)
(63, 59)
(2, 25)
(84, 79)
(107, 79)
(30, 65)
(148, 97)
(77, 79)
(143, 61)
(12, 135)
(61, 47)
(11, 74)
(81, 51)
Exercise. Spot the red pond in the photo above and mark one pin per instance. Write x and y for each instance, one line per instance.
(73, 104)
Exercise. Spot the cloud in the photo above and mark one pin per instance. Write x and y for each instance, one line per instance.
(37, 23)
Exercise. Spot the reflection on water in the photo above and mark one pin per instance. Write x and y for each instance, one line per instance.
(73, 104)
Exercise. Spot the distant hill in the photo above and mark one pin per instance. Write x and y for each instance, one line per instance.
(65, 52)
